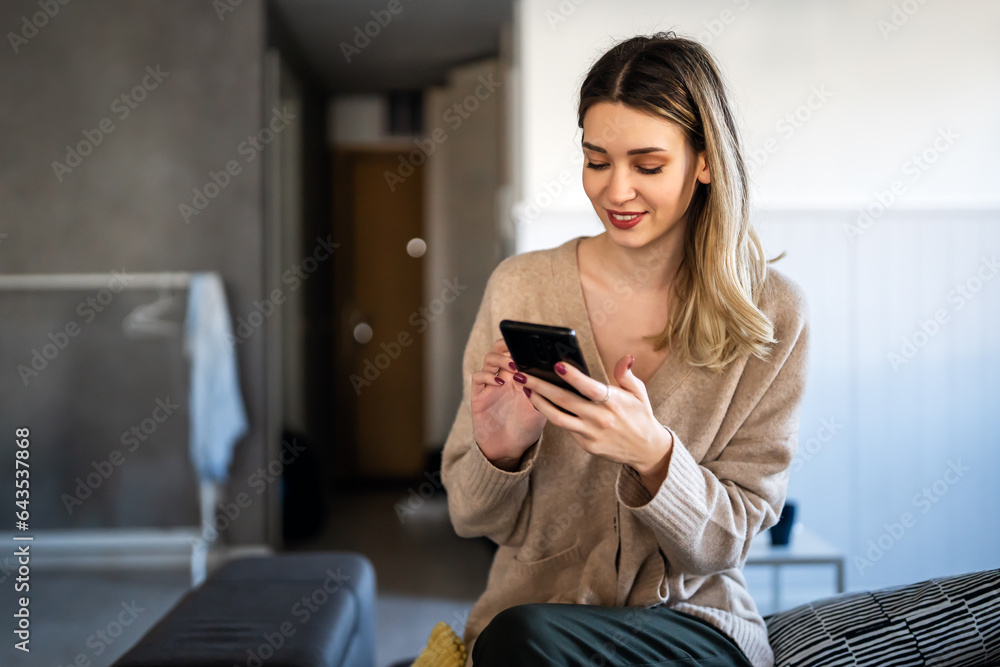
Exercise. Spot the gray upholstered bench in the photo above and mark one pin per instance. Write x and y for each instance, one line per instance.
(290, 610)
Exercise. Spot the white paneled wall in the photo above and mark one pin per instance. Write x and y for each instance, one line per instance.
(927, 419)
(875, 434)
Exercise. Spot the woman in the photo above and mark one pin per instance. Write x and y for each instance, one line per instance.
(636, 514)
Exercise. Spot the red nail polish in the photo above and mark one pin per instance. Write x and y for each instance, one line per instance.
(560, 368)
(518, 377)
(499, 381)
(513, 366)
(527, 392)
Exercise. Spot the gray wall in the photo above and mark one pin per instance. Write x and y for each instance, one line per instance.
(464, 174)
(119, 208)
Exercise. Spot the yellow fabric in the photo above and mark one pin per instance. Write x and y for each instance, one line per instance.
(444, 649)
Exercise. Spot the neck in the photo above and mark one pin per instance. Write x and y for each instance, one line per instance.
(650, 268)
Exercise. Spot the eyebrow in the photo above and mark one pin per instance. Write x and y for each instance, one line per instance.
(634, 151)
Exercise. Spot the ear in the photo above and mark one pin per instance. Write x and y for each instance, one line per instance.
(703, 172)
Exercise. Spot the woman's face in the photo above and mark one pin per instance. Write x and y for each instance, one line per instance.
(635, 163)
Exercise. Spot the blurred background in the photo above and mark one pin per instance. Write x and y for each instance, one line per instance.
(353, 171)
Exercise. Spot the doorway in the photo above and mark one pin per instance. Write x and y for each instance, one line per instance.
(379, 380)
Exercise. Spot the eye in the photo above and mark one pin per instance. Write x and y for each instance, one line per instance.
(656, 170)
(596, 165)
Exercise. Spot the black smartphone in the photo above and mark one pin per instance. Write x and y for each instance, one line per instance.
(536, 348)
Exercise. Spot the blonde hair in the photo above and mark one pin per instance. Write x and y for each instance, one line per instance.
(714, 318)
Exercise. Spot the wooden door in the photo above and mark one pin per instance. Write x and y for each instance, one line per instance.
(386, 282)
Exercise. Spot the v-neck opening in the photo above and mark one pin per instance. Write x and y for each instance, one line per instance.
(659, 384)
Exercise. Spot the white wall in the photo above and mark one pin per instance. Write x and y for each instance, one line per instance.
(889, 96)
(462, 179)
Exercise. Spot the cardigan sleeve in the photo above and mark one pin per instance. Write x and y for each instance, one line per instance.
(484, 500)
(705, 515)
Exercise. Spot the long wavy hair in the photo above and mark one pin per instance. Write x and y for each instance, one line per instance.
(714, 318)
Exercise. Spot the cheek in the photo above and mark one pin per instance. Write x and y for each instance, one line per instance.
(667, 193)
(591, 183)
(660, 195)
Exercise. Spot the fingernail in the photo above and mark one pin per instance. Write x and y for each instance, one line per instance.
(560, 368)
(513, 366)
(527, 392)
(630, 362)
(499, 381)
(518, 377)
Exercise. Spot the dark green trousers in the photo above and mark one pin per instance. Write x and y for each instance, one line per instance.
(527, 635)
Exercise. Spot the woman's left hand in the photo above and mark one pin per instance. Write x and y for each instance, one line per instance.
(622, 429)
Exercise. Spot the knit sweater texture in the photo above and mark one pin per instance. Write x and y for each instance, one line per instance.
(572, 527)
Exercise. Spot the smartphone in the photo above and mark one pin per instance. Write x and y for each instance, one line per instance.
(536, 348)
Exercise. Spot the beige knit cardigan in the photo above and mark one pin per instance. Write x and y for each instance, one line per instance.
(575, 528)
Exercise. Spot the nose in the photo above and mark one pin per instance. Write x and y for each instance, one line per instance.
(620, 189)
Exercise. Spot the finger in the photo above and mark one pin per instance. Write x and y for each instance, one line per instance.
(483, 379)
(627, 380)
(500, 345)
(496, 361)
(551, 412)
(556, 395)
(593, 389)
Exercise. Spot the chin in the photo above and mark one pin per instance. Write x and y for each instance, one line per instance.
(627, 238)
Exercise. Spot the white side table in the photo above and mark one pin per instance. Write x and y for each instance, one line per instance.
(804, 548)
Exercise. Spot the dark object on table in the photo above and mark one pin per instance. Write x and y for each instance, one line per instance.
(781, 532)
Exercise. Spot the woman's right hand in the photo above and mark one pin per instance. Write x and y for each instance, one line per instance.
(504, 422)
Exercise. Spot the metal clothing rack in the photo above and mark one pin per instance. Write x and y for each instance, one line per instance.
(67, 281)
(125, 547)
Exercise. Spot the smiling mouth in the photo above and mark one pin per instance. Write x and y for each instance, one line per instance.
(624, 217)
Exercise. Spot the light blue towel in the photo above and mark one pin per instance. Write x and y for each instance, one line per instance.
(218, 418)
